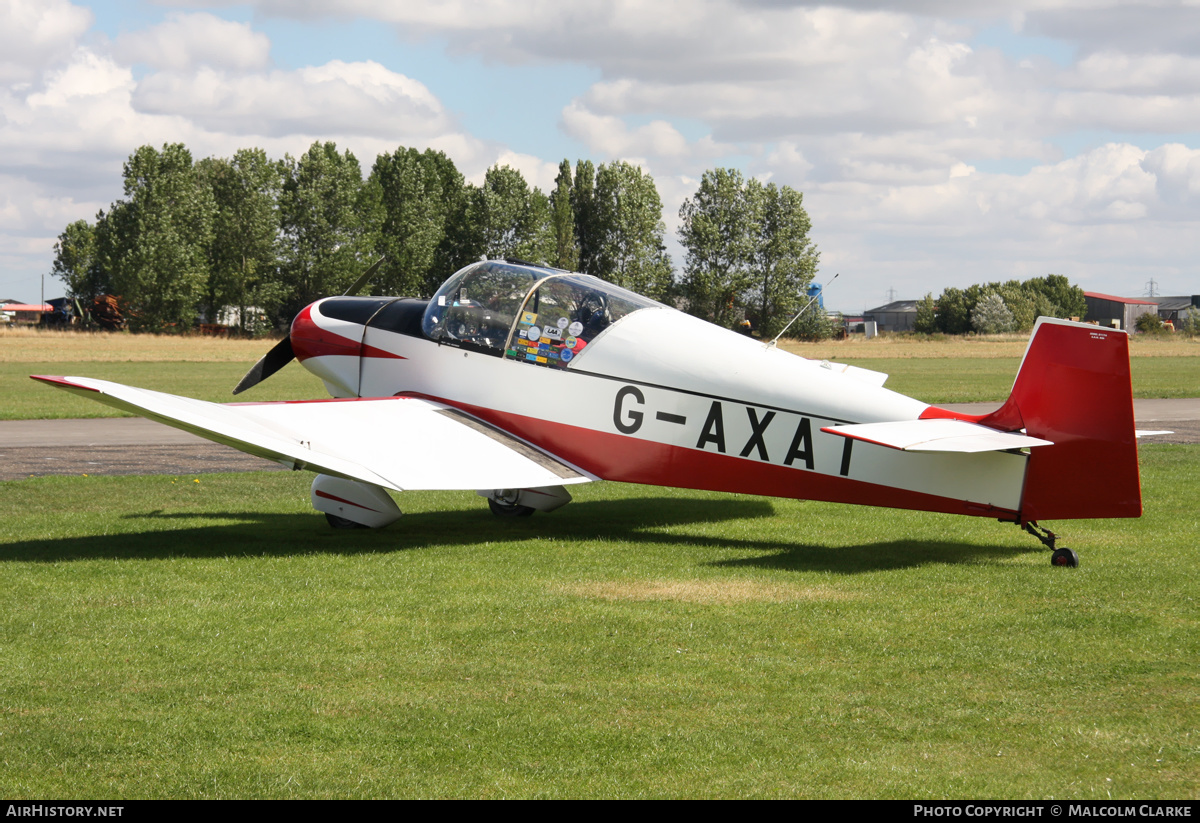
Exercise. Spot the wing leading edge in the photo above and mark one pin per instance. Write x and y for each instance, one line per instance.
(399, 443)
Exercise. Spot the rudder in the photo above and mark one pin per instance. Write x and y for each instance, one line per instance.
(1074, 389)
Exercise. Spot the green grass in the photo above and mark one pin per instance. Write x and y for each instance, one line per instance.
(162, 637)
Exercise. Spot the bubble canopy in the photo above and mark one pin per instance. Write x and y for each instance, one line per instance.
(526, 312)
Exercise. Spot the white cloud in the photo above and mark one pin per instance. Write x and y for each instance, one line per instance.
(79, 117)
(1150, 73)
(1142, 28)
(347, 98)
(87, 76)
(35, 34)
(1176, 170)
(608, 136)
(186, 41)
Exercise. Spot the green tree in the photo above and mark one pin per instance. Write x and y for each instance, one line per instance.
(926, 321)
(587, 228)
(783, 259)
(244, 255)
(718, 234)
(162, 242)
(509, 219)
(814, 324)
(991, 316)
(330, 221)
(953, 314)
(112, 229)
(562, 220)
(1149, 323)
(1049, 296)
(630, 251)
(1061, 298)
(1019, 303)
(748, 251)
(75, 259)
(421, 192)
(456, 249)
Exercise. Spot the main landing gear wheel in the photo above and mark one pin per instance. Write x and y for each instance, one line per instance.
(502, 509)
(342, 523)
(1064, 557)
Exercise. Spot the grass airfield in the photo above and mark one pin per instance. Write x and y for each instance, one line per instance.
(209, 636)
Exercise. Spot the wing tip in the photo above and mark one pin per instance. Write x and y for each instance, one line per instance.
(55, 380)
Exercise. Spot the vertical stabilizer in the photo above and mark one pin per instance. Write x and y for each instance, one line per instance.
(1074, 389)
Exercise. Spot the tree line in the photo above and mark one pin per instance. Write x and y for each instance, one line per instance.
(991, 308)
(190, 238)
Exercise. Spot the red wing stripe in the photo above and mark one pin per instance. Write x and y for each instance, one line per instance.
(61, 381)
(328, 496)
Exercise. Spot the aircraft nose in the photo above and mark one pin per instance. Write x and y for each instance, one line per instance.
(309, 339)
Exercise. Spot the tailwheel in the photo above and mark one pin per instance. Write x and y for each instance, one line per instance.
(1064, 557)
(1058, 557)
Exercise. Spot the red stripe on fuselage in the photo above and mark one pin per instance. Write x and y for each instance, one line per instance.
(310, 340)
(630, 460)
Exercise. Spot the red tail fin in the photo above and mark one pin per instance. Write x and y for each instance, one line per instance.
(1073, 389)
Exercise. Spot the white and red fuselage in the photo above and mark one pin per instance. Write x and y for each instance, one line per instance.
(517, 381)
(660, 397)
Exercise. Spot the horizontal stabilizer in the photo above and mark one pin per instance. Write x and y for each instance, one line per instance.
(868, 376)
(398, 443)
(936, 435)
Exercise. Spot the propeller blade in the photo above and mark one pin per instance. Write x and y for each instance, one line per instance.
(279, 356)
(282, 354)
(362, 280)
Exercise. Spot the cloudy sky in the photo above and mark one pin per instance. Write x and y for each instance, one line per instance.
(954, 142)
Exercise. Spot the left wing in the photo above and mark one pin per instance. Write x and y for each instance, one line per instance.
(400, 443)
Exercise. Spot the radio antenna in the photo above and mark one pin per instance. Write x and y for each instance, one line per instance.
(811, 300)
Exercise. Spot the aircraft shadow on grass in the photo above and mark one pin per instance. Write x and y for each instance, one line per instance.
(646, 521)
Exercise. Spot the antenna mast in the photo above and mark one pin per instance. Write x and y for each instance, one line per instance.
(811, 300)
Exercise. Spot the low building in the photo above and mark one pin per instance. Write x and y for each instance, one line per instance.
(13, 312)
(899, 315)
(1174, 310)
(1116, 312)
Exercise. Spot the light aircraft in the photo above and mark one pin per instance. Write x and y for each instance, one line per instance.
(518, 380)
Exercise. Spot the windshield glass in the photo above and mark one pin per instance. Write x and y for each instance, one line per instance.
(477, 305)
(526, 313)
